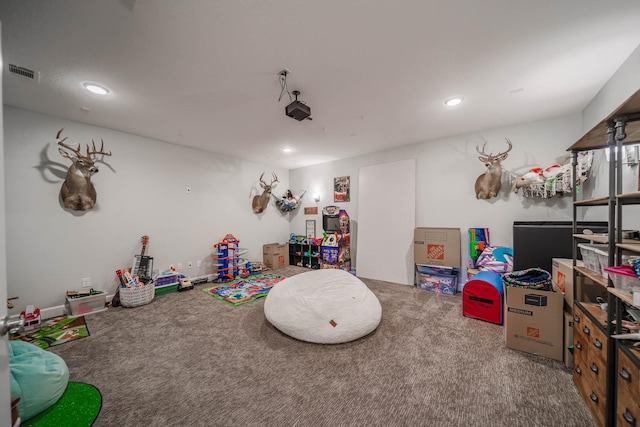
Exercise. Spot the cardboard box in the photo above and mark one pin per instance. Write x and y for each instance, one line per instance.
(562, 279)
(437, 246)
(534, 321)
(275, 255)
(568, 340)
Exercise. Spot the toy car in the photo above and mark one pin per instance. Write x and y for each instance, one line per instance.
(31, 318)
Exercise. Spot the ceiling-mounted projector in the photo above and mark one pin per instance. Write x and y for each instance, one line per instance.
(297, 109)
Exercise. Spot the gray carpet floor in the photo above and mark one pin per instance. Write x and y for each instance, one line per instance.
(188, 359)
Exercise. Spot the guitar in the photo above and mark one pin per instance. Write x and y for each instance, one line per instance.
(142, 265)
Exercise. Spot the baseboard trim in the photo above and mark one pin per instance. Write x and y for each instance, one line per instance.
(59, 310)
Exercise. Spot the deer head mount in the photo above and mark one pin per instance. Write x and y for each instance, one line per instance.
(488, 184)
(259, 203)
(77, 192)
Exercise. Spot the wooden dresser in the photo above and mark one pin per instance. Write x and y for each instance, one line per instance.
(628, 385)
(590, 358)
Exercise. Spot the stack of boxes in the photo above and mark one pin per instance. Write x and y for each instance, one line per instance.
(436, 253)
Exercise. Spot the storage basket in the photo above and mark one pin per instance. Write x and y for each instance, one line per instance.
(137, 296)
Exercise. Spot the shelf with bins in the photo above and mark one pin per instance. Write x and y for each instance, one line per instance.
(620, 128)
(305, 255)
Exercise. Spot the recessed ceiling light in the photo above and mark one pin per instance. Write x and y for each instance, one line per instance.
(97, 89)
(453, 101)
(286, 149)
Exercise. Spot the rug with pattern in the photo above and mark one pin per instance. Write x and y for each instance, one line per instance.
(246, 289)
(56, 331)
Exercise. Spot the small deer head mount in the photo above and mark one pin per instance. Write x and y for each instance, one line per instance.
(77, 192)
(259, 203)
(488, 184)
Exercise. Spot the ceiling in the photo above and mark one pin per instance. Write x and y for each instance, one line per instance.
(205, 74)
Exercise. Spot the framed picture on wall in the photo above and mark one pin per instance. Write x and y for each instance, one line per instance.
(311, 229)
(341, 188)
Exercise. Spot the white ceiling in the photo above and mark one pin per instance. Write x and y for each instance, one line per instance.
(204, 73)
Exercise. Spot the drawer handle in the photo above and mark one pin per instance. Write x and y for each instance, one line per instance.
(586, 330)
(597, 344)
(579, 346)
(594, 397)
(628, 417)
(576, 318)
(594, 368)
(578, 370)
(625, 375)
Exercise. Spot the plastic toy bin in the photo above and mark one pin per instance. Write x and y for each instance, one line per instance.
(593, 255)
(596, 257)
(169, 279)
(86, 305)
(624, 278)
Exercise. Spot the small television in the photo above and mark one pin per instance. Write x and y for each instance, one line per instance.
(331, 224)
(536, 243)
(331, 219)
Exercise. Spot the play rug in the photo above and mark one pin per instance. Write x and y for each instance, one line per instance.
(55, 331)
(78, 406)
(244, 290)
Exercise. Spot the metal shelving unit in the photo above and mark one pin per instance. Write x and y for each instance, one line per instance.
(620, 128)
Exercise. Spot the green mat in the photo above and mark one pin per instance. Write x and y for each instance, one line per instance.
(78, 406)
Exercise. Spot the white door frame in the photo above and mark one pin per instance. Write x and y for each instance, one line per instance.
(5, 392)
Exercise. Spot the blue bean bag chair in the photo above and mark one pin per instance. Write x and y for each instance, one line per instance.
(38, 377)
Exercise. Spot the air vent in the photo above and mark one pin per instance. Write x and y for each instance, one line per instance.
(22, 72)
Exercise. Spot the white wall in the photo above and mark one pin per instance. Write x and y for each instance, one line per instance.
(446, 173)
(141, 190)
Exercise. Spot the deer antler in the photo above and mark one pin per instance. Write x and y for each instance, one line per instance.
(94, 151)
(482, 152)
(508, 149)
(273, 180)
(61, 142)
(490, 155)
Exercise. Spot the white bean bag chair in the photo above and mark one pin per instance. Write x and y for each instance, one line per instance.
(323, 306)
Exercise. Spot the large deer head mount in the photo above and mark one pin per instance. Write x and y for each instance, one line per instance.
(488, 184)
(77, 192)
(260, 202)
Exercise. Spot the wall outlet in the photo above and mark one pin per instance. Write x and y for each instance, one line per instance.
(189, 264)
(199, 263)
(86, 282)
(179, 266)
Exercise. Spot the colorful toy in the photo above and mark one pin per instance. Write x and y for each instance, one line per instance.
(498, 259)
(31, 317)
(227, 261)
(478, 241)
(288, 201)
(482, 297)
(184, 284)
